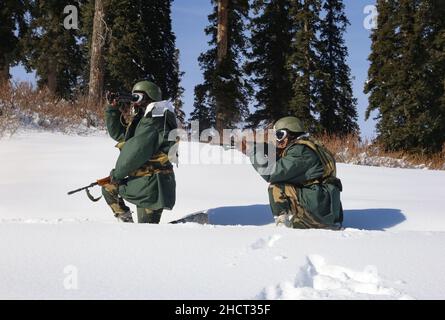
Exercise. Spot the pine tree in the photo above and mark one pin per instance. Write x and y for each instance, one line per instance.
(140, 44)
(335, 105)
(177, 102)
(203, 112)
(12, 26)
(164, 64)
(178, 105)
(304, 62)
(406, 75)
(204, 104)
(128, 43)
(432, 31)
(271, 35)
(222, 100)
(380, 74)
(51, 49)
(87, 11)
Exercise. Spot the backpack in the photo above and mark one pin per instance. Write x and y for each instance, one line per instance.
(327, 159)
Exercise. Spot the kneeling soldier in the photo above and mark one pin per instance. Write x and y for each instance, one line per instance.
(304, 191)
(143, 174)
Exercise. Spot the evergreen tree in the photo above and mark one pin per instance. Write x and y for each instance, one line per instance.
(203, 111)
(178, 105)
(12, 26)
(271, 36)
(52, 50)
(224, 93)
(432, 31)
(383, 53)
(140, 44)
(177, 102)
(335, 105)
(204, 104)
(406, 75)
(304, 61)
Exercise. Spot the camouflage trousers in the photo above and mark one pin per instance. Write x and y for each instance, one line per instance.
(118, 206)
(283, 199)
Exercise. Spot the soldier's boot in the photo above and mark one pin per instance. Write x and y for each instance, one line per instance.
(124, 217)
(281, 205)
(116, 203)
(284, 220)
(146, 215)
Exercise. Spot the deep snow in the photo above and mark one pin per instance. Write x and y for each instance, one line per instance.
(58, 246)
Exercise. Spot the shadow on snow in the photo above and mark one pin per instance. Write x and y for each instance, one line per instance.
(260, 215)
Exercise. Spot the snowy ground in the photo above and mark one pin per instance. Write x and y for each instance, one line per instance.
(58, 246)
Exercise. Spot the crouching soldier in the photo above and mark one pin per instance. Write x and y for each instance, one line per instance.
(143, 174)
(304, 191)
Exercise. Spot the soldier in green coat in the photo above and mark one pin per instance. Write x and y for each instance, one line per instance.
(143, 174)
(304, 191)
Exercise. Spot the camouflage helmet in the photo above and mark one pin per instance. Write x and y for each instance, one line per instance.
(151, 89)
(292, 124)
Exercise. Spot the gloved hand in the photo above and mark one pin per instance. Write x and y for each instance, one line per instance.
(111, 98)
(115, 181)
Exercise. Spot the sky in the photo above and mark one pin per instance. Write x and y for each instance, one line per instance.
(190, 18)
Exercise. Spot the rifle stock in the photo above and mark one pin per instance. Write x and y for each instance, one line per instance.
(104, 181)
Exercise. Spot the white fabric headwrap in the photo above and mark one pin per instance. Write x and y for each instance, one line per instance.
(158, 108)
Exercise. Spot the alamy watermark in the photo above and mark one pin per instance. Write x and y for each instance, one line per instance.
(71, 21)
(71, 279)
(207, 147)
(370, 22)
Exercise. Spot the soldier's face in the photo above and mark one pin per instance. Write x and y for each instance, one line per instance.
(283, 143)
(142, 102)
(282, 138)
(140, 105)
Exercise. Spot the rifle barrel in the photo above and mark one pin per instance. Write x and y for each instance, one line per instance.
(83, 188)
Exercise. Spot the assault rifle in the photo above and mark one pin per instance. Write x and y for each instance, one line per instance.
(100, 182)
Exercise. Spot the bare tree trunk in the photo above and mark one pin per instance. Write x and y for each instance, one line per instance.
(4, 73)
(96, 63)
(222, 37)
(222, 49)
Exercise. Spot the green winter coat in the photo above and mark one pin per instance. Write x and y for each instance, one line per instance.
(299, 165)
(144, 138)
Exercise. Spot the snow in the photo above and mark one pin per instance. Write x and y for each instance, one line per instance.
(378, 161)
(66, 247)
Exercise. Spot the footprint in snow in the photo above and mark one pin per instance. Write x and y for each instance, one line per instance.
(268, 242)
(319, 280)
(280, 258)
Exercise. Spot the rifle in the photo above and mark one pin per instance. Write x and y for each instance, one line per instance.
(100, 182)
(241, 140)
